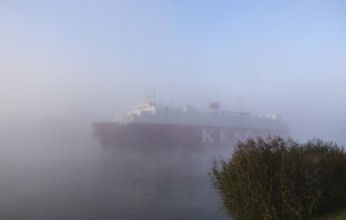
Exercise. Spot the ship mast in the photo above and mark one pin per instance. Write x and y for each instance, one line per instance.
(150, 96)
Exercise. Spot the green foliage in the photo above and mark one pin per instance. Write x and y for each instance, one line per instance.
(281, 179)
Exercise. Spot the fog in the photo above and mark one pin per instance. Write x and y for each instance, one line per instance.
(64, 65)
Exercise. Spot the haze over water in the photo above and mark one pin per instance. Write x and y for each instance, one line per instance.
(66, 64)
(78, 180)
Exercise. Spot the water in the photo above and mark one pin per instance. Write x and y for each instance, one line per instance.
(77, 180)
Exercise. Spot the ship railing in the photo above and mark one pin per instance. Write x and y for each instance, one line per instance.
(123, 120)
(239, 114)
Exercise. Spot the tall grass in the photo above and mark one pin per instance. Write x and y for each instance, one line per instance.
(275, 178)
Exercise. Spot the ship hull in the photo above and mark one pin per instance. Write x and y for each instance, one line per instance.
(115, 135)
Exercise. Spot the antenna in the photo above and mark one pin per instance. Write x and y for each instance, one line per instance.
(240, 104)
(150, 95)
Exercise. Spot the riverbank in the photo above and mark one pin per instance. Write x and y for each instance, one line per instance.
(339, 215)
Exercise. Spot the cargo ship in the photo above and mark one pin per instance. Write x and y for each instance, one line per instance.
(151, 124)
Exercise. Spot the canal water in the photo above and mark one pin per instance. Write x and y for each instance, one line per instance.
(78, 180)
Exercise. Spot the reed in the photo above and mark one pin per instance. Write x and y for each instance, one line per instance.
(274, 178)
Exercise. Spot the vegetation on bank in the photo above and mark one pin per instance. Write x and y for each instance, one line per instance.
(338, 215)
(275, 178)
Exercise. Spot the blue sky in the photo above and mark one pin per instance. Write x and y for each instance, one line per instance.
(58, 57)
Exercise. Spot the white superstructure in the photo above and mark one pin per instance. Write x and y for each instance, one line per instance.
(150, 112)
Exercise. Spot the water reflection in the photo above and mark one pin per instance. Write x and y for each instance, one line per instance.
(92, 184)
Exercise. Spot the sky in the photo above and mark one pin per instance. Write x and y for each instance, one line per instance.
(92, 59)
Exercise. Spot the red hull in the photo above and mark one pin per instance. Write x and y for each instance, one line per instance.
(153, 134)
